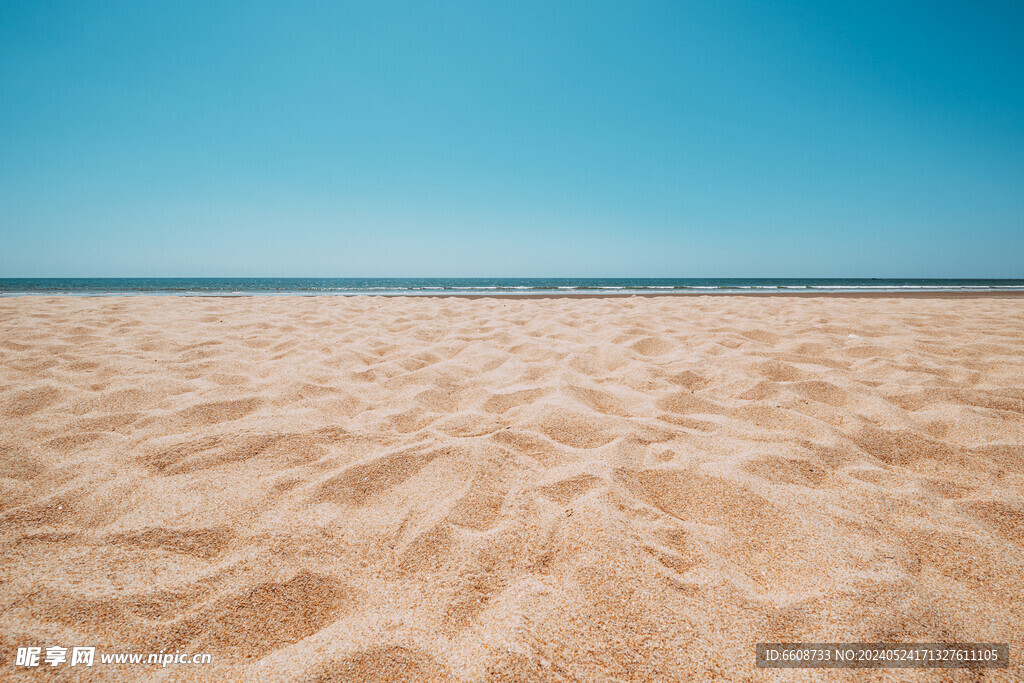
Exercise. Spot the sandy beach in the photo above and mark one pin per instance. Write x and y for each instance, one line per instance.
(329, 488)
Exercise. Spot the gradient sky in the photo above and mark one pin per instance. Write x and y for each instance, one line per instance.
(659, 139)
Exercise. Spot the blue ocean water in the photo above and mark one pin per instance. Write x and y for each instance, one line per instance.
(485, 286)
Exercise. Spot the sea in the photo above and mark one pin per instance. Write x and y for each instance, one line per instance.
(480, 286)
(484, 286)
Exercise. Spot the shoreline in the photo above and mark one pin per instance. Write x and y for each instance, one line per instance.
(997, 294)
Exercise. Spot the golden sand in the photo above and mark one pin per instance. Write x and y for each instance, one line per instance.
(333, 488)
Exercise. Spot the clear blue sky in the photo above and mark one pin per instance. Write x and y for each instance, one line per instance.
(661, 139)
